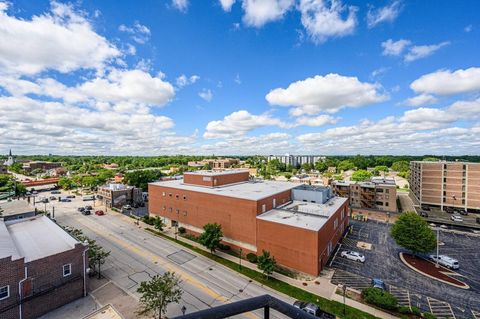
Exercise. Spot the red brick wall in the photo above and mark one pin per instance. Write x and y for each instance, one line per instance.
(291, 246)
(237, 216)
(213, 181)
(50, 289)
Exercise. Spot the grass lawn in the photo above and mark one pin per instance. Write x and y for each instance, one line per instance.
(333, 307)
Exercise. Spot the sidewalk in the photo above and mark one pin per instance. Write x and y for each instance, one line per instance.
(320, 286)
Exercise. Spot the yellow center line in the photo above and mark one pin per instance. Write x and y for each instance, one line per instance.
(155, 258)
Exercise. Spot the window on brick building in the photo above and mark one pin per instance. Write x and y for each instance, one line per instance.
(335, 223)
(163, 193)
(67, 270)
(4, 292)
(264, 208)
(184, 197)
(343, 214)
(177, 196)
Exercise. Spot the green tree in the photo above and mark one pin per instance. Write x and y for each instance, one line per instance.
(157, 293)
(141, 179)
(321, 166)
(158, 223)
(413, 233)
(430, 159)
(361, 175)
(266, 263)
(381, 168)
(65, 183)
(211, 236)
(401, 166)
(97, 255)
(345, 165)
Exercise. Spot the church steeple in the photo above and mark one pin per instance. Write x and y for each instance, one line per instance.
(10, 153)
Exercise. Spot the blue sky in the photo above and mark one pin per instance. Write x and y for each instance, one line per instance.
(240, 77)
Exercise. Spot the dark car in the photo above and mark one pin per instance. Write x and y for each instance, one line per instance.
(88, 207)
(378, 283)
(81, 209)
(313, 309)
(70, 196)
(463, 212)
(86, 212)
(423, 214)
(55, 192)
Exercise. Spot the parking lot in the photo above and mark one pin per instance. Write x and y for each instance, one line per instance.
(411, 288)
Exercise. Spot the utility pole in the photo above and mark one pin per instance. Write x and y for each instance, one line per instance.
(438, 239)
(240, 259)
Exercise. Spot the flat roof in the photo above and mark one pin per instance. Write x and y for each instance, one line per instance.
(306, 215)
(217, 172)
(38, 237)
(251, 190)
(7, 247)
(446, 162)
(15, 207)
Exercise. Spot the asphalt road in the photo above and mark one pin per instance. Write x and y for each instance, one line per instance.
(136, 255)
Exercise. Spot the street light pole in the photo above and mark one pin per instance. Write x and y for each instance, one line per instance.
(240, 259)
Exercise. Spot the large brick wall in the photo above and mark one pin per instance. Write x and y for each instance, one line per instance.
(45, 288)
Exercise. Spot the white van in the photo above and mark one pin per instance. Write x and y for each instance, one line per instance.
(445, 261)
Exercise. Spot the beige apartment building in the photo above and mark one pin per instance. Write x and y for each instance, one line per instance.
(446, 184)
(215, 163)
(380, 193)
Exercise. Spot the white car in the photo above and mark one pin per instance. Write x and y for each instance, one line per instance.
(456, 218)
(353, 255)
(445, 261)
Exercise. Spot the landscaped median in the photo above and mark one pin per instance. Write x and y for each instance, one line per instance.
(278, 285)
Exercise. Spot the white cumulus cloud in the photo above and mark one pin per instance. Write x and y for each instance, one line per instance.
(384, 14)
(227, 4)
(260, 12)
(324, 20)
(61, 40)
(205, 94)
(394, 48)
(446, 82)
(328, 93)
(421, 51)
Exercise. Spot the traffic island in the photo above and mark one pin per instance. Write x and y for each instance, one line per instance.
(429, 269)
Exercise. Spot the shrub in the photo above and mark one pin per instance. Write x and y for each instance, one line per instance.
(428, 315)
(182, 230)
(223, 247)
(191, 237)
(380, 298)
(148, 220)
(416, 311)
(404, 310)
(251, 257)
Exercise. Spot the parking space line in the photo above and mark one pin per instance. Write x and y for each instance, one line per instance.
(476, 314)
(402, 295)
(440, 309)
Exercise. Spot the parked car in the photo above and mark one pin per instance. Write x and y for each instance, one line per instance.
(70, 196)
(456, 218)
(423, 214)
(463, 212)
(87, 198)
(55, 192)
(313, 309)
(127, 207)
(88, 207)
(65, 200)
(53, 198)
(80, 209)
(378, 283)
(99, 213)
(445, 261)
(44, 200)
(86, 212)
(353, 255)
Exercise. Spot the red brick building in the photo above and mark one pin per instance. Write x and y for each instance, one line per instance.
(41, 268)
(299, 225)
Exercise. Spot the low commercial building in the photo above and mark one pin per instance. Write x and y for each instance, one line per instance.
(215, 163)
(298, 224)
(380, 193)
(33, 165)
(41, 268)
(452, 185)
(117, 195)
